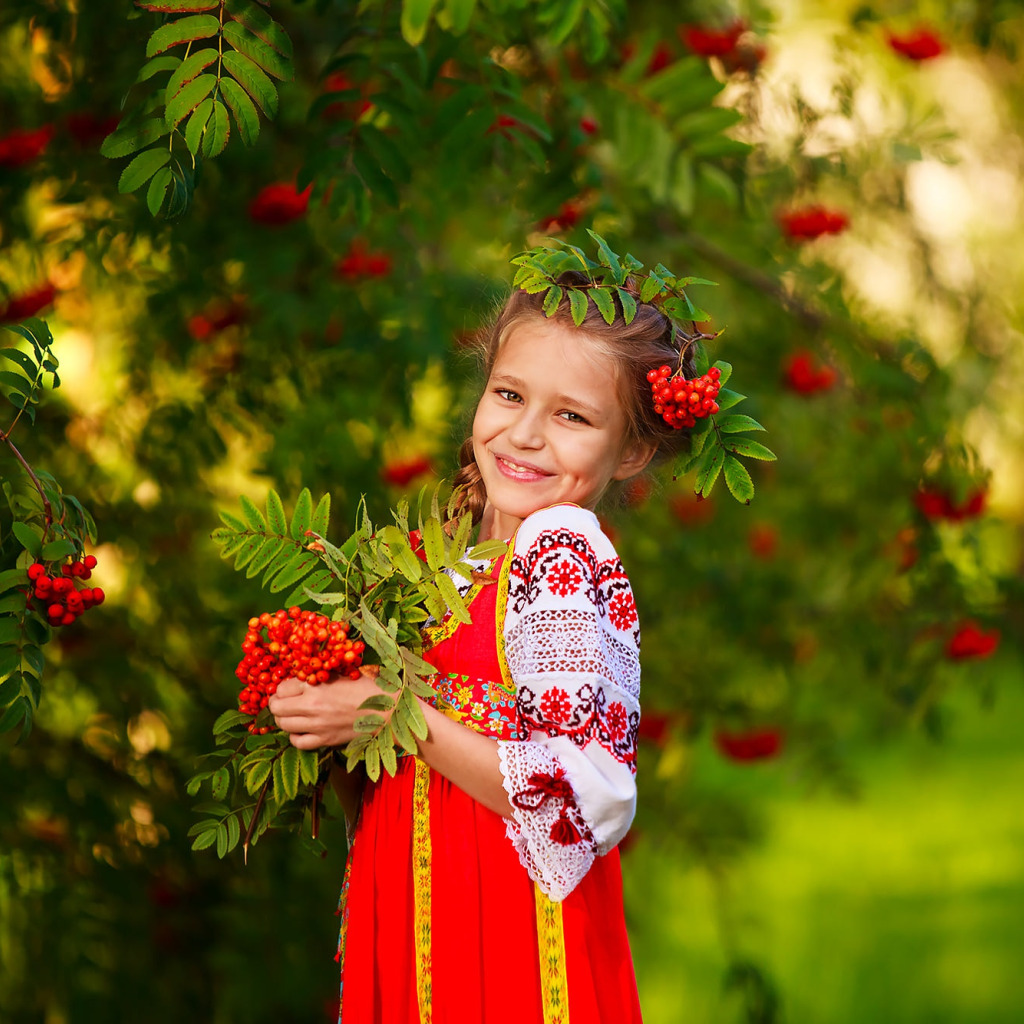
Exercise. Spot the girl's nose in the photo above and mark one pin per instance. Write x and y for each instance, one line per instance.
(526, 432)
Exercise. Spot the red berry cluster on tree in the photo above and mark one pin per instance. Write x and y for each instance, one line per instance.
(292, 644)
(810, 222)
(969, 641)
(750, 745)
(918, 45)
(681, 402)
(60, 596)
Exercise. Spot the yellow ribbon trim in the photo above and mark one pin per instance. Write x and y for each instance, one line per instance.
(551, 944)
(421, 859)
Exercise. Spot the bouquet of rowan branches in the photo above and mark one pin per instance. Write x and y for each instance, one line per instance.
(375, 592)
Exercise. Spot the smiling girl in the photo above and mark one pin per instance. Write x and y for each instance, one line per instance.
(483, 880)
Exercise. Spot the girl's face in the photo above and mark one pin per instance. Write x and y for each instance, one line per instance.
(550, 427)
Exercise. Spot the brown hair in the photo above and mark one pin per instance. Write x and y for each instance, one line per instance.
(650, 340)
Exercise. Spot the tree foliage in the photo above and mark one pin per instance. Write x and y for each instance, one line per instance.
(295, 313)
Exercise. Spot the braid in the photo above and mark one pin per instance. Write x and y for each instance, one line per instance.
(469, 481)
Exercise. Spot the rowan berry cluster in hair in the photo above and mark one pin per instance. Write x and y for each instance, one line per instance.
(292, 644)
(681, 402)
(59, 594)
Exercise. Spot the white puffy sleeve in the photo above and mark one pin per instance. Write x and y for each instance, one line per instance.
(571, 642)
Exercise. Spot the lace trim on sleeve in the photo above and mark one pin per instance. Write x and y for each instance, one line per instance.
(548, 831)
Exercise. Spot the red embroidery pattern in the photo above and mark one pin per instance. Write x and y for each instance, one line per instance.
(565, 579)
(589, 717)
(569, 827)
(556, 705)
(622, 611)
(567, 564)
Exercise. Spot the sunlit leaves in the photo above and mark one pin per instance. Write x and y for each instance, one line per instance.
(226, 75)
(386, 591)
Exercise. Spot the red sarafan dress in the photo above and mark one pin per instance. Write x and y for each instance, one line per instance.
(452, 914)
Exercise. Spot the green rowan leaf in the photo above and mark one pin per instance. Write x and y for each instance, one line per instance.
(268, 551)
(29, 537)
(452, 597)
(552, 299)
(142, 168)
(258, 775)
(433, 600)
(218, 131)
(607, 258)
(433, 543)
(270, 60)
(727, 399)
(182, 30)
(188, 99)
(228, 720)
(750, 448)
(322, 516)
(314, 584)
(253, 80)
(277, 521)
(372, 762)
(206, 839)
(157, 191)
(58, 549)
(290, 772)
(294, 570)
(302, 516)
(388, 758)
(604, 302)
(628, 304)
(186, 71)
(234, 833)
(309, 766)
(708, 469)
(23, 359)
(724, 368)
(245, 554)
(737, 479)
(736, 423)
(232, 521)
(197, 125)
(219, 783)
(253, 516)
(260, 24)
(155, 67)
(578, 305)
(401, 734)
(246, 116)
(289, 550)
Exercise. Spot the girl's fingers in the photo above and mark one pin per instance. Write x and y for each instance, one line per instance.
(306, 740)
(290, 687)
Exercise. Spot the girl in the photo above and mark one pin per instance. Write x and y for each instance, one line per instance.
(483, 880)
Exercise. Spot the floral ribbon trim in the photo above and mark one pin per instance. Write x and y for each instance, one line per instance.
(551, 946)
(421, 867)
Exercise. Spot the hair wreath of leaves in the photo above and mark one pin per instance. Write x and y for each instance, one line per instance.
(715, 444)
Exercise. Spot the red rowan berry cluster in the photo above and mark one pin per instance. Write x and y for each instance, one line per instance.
(59, 595)
(292, 644)
(681, 402)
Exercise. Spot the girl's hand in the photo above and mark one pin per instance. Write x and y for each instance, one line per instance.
(322, 715)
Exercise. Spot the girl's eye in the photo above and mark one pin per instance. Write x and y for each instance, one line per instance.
(573, 417)
(507, 394)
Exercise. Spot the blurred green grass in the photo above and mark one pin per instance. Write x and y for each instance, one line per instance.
(904, 904)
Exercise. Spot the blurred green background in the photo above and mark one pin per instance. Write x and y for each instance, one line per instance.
(829, 826)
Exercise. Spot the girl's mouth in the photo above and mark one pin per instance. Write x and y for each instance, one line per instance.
(522, 471)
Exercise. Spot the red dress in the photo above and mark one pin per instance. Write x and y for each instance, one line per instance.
(442, 922)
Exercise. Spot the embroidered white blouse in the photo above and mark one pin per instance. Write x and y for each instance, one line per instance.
(571, 640)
